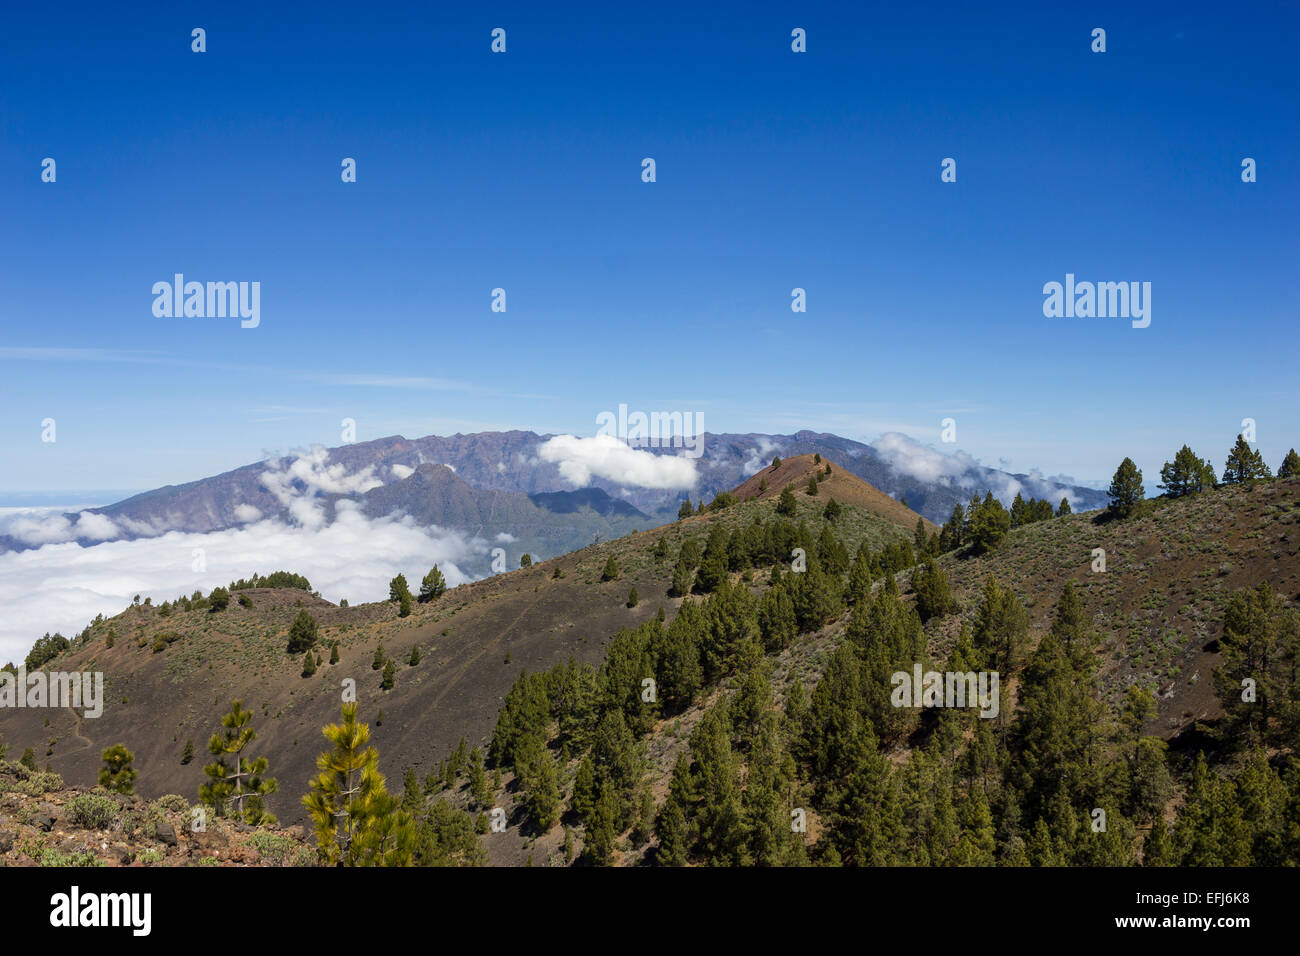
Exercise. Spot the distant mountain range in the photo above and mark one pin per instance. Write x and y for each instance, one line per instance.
(508, 485)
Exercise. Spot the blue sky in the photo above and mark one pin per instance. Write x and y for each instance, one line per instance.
(775, 170)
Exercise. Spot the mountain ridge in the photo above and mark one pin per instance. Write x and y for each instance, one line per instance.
(509, 461)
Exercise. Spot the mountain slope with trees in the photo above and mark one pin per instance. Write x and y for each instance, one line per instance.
(752, 720)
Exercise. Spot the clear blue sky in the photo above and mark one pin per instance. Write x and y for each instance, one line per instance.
(775, 170)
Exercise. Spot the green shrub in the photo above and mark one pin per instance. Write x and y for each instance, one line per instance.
(39, 783)
(173, 803)
(48, 856)
(278, 850)
(93, 810)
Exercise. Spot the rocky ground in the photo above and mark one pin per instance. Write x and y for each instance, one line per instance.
(44, 823)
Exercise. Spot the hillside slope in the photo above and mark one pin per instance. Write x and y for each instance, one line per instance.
(1158, 609)
(840, 485)
(474, 641)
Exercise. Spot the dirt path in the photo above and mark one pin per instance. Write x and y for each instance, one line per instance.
(86, 742)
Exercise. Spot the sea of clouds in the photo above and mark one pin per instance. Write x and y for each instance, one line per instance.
(81, 563)
(61, 587)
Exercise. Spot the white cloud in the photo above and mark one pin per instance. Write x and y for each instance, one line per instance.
(910, 458)
(403, 471)
(297, 484)
(604, 456)
(505, 537)
(47, 526)
(61, 587)
(915, 460)
(758, 457)
(246, 513)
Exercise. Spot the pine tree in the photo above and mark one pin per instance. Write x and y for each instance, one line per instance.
(357, 822)
(380, 657)
(786, 505)
(1064, 508)
(989, 524)
(812, 485)
(415, 656)
(404, 606)
(398, 587)
(1290, 466)
(1019, 514)
(933, 597)
(682, 578)
(610, 571)
(334, 652)
(1244, 464)
(308, 664)
(1187, 474)
(661, 549)
(777, 623)
(303, 633)
(583, 800)
(859, 586)
(672, 826)
(1125, 490)
(1058, 757)
(602, 829)
(412, 796)
(1001, 627)
(1260, 643)
(478, 783)
(237, 788)
(632, 598)
(433, 586)
(188, 753)
(1158, 850)
(645, 819)
(685, 511)
(390, 676)
(950, 536)
(526, 561)
(540, 778)
(919, 536)
(776, 462)
(1210, 830)
(117, 774)
(866, 816)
